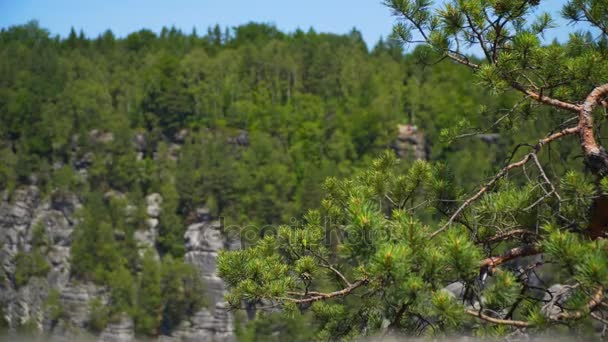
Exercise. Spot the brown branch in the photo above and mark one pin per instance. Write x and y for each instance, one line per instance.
(598, 318)
(509, 234)
(479, 314)
(316, 296)
(492, 262)
(479, 37)
(464, 61)
(545, 99)
(593, 303)
(333, 269)
(503, 172)
(596, 158)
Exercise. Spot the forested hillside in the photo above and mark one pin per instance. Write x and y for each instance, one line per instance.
(246, 121)
(243, 124)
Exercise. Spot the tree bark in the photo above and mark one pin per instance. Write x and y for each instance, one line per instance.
(596, 160)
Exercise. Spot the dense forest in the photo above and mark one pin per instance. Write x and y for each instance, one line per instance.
(247, 121)
(261, 126)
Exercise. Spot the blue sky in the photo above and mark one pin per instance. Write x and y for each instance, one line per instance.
(338, 16)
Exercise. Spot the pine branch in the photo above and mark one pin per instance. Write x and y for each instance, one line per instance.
(503, 172)
(594, 21)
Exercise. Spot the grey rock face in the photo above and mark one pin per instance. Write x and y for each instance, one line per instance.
(410, 143)
(75, 300)
(554, 299)
(123, 331)
(24, 217)
(146, 238)
(140, 142)
(153, 202)
(98, 137)
(204, 240)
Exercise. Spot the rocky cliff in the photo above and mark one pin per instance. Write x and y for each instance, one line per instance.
(40, 295)
(411, 143)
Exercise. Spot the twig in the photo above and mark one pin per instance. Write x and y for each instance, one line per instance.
(316, 296)
(509, 234)
(544, 175)
(479, 314)
(593, 303)
(545, 99)
(333, 269)
(598, 318)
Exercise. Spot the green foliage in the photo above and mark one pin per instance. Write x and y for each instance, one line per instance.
(122, 293)
(28, 328)
(149, 301)
(28, 265)
(182, 291)
(99, 315)
(95, 253)
(53, 306)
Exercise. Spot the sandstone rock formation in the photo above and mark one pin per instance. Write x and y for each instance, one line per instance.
(411, 143)
(25, 216)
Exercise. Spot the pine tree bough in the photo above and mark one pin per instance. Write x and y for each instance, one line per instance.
(596, 157)
(504, 171)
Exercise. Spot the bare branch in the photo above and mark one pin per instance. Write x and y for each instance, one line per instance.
(545, 99)
(327, 265)
(479, 193)
(479, 37)
(544, 175)
(508, 235)
(590, 147)
(462, 60)
(593, 303)
(598, 318)
(316, 296)
(479, 314)
(492, 262)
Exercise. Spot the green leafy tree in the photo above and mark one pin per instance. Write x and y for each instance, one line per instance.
(28, 265)
(149, 301)
(182, 292)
